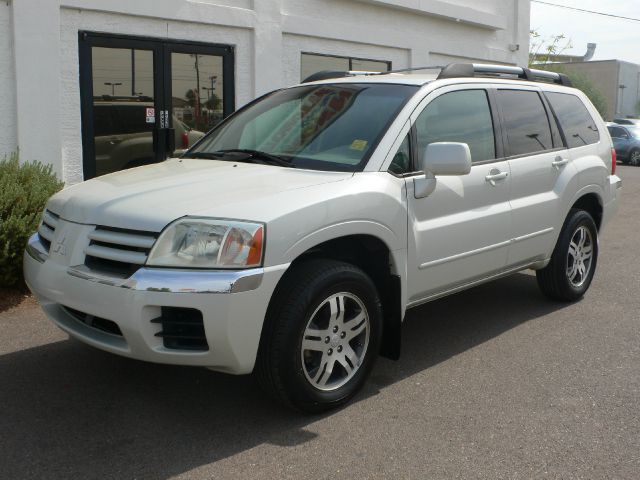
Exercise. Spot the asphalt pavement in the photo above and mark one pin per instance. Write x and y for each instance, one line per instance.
(495, 382)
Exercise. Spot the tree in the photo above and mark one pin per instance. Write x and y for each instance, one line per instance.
(542, 52)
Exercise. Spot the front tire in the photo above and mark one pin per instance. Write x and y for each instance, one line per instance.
(322, 336)
(634, 157)
(573, 262)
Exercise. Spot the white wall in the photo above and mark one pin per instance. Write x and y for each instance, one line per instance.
(269, 37)
(8, 138)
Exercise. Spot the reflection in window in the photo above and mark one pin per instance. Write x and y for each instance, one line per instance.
(578, 126)
(461, 116)
(526, 121)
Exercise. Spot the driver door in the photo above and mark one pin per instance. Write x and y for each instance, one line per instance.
(461, 231)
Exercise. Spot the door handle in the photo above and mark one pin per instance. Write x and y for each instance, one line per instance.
(492, 178)
(559, 162)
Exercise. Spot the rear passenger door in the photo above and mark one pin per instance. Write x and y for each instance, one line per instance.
(540, 168)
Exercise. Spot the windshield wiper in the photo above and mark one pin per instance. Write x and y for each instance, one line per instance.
(207, 155)
(253, 154)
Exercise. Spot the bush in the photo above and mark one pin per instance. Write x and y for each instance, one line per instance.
(24, 190)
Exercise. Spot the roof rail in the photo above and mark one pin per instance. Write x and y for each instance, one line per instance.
(328, 74)
(456, 70)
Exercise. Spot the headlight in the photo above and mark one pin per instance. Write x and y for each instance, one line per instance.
(209, 243)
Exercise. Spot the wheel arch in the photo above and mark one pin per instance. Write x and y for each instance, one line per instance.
(591, 202)
(384, 266)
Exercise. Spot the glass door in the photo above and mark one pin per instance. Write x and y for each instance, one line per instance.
(145, 99)
(199, 91)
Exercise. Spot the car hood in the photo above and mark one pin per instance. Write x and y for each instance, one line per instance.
(150, 197)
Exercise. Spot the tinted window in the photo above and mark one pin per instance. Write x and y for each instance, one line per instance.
(462, 116)
(401, 162)
(133, 119)
(617, 132)
(578, 126)
(102, 124)
(526, 122)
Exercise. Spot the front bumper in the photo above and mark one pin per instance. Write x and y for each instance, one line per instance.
(233, 305)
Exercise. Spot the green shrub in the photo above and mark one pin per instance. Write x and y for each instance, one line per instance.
(24, 190)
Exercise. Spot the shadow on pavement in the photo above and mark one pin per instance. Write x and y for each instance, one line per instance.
(71, 411)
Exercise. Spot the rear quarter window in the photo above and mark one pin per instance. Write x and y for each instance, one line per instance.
(575, 121)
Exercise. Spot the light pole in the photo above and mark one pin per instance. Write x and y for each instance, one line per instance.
(113, 86)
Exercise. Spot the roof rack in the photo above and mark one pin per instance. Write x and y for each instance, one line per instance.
(456, 70)
(329, 74)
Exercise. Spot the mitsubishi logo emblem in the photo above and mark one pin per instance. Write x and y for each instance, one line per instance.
(59, 247)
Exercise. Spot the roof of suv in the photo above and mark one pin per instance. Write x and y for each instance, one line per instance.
(455, 71)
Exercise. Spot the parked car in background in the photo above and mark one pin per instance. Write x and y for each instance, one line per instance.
(124, 137)
(627, 121)
(291, 240)
(626, 141)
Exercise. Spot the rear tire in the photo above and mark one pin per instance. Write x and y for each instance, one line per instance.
(634, 157)
(568, 275)
(321, 336)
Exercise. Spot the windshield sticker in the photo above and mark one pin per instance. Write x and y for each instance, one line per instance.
(359, 145)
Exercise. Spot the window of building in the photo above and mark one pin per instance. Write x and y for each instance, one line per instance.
(578, 126)
(462, 116)
(311, 63)
(525, 121)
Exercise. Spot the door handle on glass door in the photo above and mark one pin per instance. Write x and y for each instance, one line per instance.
(559, 162)
(495, 175)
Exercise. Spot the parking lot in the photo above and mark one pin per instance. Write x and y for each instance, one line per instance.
(494, 382)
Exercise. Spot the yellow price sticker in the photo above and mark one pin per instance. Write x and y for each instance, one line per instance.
(358, 145)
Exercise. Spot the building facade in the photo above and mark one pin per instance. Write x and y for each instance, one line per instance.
(618, 81)
(92, 86)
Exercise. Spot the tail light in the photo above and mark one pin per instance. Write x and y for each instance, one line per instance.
(614, 161)
(185, 140)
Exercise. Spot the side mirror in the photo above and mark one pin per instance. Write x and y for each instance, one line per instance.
(442, 158)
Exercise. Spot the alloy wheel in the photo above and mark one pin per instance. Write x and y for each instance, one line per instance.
(335, 341)
(580, 257)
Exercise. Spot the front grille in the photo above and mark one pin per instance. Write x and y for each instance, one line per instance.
(118, 251)
(92, 321)
(47, 228)
(182, 329)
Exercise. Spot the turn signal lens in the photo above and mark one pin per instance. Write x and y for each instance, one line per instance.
(614, 161)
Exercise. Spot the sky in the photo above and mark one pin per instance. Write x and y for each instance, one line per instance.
(615, 38)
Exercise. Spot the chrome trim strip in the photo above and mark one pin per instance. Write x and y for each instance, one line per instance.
(532, 235)
(35, 249)
(464, 286)
(171, 280)
(470, 253)
(458, 256)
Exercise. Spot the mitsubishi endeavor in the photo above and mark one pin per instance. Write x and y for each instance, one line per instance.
(292, 238)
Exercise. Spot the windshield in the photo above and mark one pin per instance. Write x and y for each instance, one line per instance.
(319, 127)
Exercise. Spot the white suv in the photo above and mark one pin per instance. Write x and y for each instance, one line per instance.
(291, 240)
